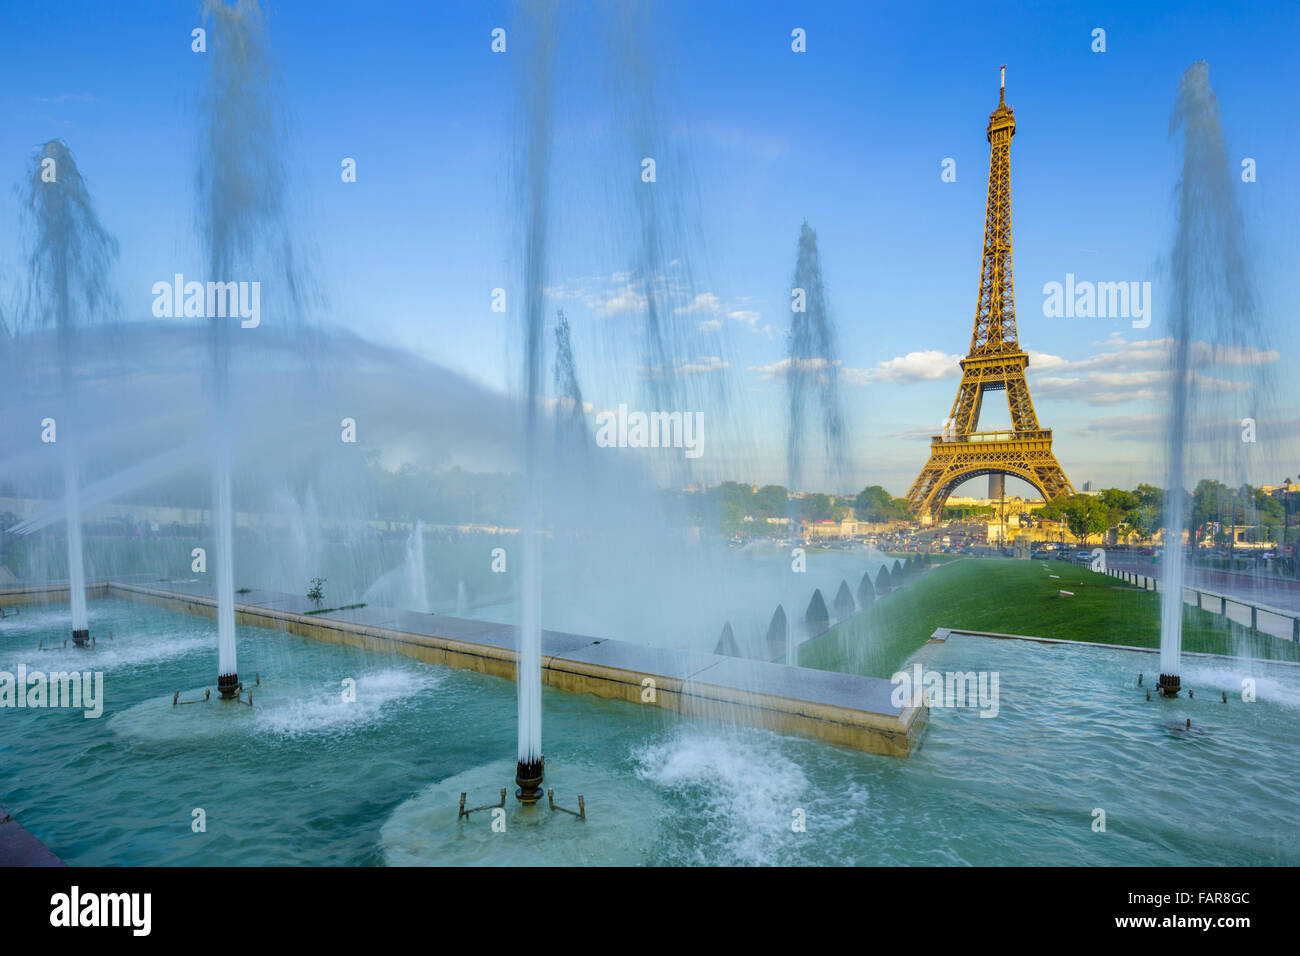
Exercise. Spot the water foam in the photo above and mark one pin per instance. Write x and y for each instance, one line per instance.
(741, 782)
(324, 711)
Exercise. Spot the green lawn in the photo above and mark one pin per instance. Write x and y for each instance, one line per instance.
(1019, 597)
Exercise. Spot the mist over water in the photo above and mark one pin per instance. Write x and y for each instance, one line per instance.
(405, 586)
(254, 446)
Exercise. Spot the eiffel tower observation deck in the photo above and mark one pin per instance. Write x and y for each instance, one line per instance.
(995, 362)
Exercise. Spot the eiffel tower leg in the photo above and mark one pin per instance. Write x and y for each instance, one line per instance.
(1023, 417)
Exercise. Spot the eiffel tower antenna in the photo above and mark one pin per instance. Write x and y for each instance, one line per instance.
(995, 362)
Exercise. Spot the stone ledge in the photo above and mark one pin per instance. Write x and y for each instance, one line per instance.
(842, 709)
(19, 848)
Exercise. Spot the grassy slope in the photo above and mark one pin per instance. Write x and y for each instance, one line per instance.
(1018, 597)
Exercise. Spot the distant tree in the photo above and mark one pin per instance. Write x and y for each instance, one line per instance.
(883, 582)
(817, 618)
(733, 502)
(1084, 515)
(1210, 507)
(844, 604)
(866, 591)
(816, 507)
(1149, 496)
(777, 632)
(961, 512)
(727, 642)
(771, 501)
(873, 504)
(876, 505)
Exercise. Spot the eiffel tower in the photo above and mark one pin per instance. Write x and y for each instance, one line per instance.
(995, 362)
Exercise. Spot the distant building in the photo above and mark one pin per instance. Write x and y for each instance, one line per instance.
(845, 529)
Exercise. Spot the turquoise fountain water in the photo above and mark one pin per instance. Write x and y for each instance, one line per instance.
(313, 778)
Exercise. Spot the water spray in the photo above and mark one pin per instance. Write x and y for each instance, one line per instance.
(70, 259)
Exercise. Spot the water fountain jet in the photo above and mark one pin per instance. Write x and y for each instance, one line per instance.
(528, 776)
(69, 267)
(813, 368)
(1213, 305)
(242, 188)
(535, 188)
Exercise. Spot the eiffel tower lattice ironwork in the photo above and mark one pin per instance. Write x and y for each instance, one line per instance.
(995, 362)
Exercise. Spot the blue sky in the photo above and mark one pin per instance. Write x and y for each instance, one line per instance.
(849, 135)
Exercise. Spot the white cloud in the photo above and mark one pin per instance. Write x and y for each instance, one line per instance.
(623, 292)
(780, 371)
(926, 366)
(627, 299)
(1043, 361)
(701, 366)
(1118, 353)
(1112, 388)
(705, 302)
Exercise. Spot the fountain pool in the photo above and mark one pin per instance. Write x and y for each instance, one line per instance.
(304, 777)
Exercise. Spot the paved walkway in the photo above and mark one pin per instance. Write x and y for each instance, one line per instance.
(1279, 593)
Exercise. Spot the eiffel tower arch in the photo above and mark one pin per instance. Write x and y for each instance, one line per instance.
(994, 362)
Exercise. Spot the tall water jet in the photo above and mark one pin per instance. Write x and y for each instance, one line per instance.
(684, 362)
(1211, 316)
(242, 189)
(813, 366)
(570, 426)
(538, 82)
(414, 569)
(68, 268)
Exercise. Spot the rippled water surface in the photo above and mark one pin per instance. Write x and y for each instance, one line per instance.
(308, 777)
